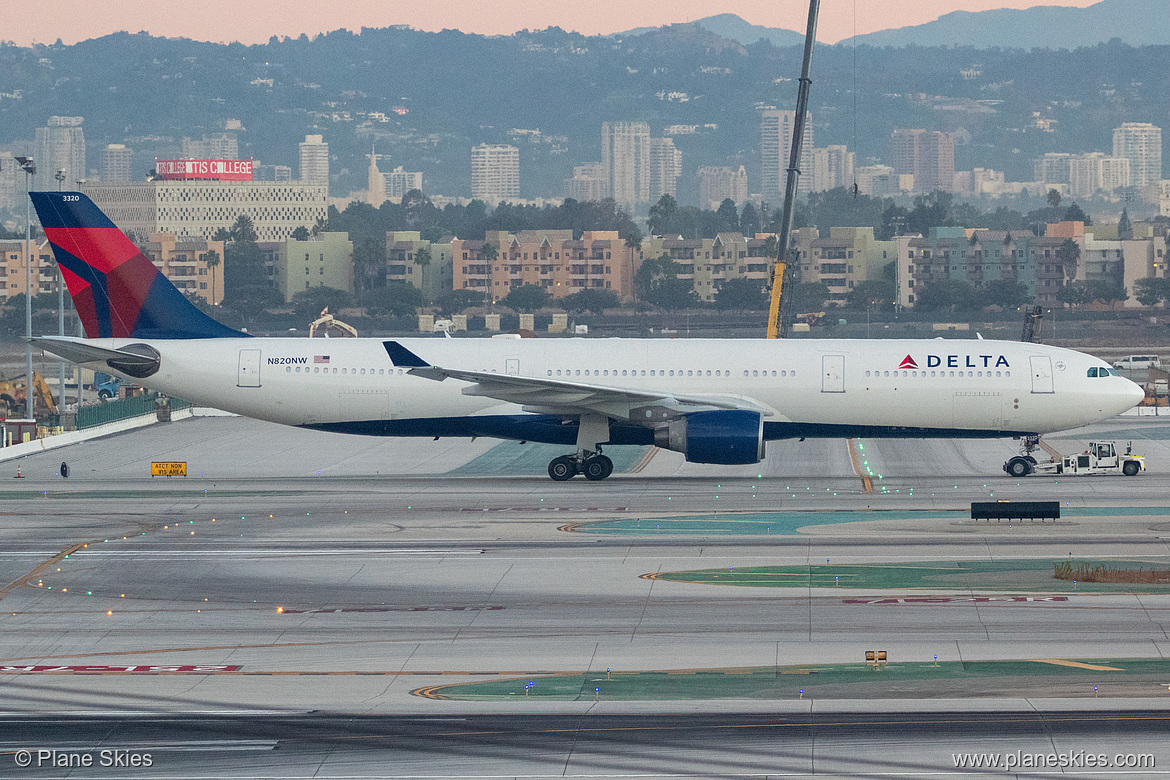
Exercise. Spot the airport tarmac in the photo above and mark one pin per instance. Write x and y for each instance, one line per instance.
(317, 583)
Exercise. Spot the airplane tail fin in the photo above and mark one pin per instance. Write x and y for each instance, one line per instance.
(116, 289)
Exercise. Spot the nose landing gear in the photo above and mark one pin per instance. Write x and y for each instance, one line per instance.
(593, 465)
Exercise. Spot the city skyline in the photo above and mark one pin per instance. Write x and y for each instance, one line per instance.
(46, 21)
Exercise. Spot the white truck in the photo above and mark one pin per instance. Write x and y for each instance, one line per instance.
(1102, 457)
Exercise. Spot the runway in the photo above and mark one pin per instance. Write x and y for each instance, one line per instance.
(295, 572)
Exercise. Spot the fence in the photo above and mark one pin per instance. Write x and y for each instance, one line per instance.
(136, 406)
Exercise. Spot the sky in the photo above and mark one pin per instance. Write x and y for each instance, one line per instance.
(255, 21)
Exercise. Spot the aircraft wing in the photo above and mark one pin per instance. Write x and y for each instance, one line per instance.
(555, 396)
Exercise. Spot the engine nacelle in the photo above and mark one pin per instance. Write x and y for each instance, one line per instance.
(731, 437)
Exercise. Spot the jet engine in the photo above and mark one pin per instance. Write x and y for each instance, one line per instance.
(730, 437)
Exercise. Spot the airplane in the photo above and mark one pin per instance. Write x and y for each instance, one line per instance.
(717, 401)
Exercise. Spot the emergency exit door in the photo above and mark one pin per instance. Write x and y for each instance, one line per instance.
(832, 373)
(249, 375)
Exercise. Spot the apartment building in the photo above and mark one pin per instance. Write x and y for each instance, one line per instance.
(406, 261)
(495, 173)
(194, 265)
(293, 266)
(13, 269)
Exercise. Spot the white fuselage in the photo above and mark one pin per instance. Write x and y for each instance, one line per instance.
(959, 385)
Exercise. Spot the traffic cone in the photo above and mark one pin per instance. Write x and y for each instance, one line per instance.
(18, 474)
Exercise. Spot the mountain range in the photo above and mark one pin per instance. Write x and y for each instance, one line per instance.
(1134, 22)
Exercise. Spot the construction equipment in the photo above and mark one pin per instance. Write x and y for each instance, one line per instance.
(784, 271)
(13, 394)
(1033, 319)
(330, 327)
(1102, 457)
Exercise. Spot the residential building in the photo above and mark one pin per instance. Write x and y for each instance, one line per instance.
(551, 259)
(116, 160)
(218, 146)
(198, 208)
(271, 172)
(846, 256)
(13, 269)
(625, 155)
(194, 265)
(718, 183)
(11, 184)
(432, 276)
(879, 180)
(588, 183)
(927, 155)
(1053, 168)
(665, 168)
(832, 168)
(59, 147)
(776, 131)
(399, 182)
(1096, 171)
(495, 173)
(1141, 144)
(293, 266)
(314, 153)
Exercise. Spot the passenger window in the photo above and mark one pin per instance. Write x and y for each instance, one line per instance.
(672, 373)
(888, 373)
(550, 372)
(363, 372)
(623, 373)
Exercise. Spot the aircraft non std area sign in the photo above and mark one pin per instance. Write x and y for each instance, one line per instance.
(168, 469)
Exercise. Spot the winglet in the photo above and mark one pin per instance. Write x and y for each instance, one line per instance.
(402, 357)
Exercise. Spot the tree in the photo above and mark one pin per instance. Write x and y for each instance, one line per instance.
(308, 304)
(673, 294)
(1151, 291)
(1069, 254)
(211, 257)
(878, 293)
(1004, 293)
(1053, 199)
(1124, 226)
(945, 295)
(300, 234)
(591, 300)
(1074, 214)
(653, 272)
(396, 298)
(489, 253)
(526, 298)
(662, 215)
(456, 301)
(809, 297)
(749, 220)
(634, 238)
(422, 257)
(728, 216)
(243, 230)
(1075, 294)
(369, 265)
(741, 294)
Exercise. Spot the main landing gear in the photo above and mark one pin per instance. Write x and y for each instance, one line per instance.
(593, 465)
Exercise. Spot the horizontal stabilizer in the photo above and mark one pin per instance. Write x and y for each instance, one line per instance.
(136, 360)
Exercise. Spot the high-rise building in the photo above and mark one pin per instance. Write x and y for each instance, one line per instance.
(59, 147)
(400, 182)
(1141, 144)
(665, 168)
(588, 183)
(1052, 168)
(718, 183)
(495, 173)
(218, 146)
(11, 186)
(1089, 173)
(625, 155)
(116, 162)
(776, 128)
(927, 155)
(832, 168)
(314, 160)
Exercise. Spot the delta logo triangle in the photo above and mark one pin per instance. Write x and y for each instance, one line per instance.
(908, 362)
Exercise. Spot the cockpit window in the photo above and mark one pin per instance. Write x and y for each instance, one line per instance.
(1112, 372)
(1093, 371)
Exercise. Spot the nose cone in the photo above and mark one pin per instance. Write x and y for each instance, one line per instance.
(1133, 394)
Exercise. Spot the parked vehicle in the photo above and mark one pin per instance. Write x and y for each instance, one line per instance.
(1138, 363)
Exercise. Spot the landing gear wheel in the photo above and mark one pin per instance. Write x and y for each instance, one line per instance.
(597, 468)
(562, 469)
(1018, 467)
(1130, 468)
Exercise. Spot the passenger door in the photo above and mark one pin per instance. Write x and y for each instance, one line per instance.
(249, 375)
(1041, 374)
(832, 373)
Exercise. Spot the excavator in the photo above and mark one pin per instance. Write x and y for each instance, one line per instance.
(13, 395)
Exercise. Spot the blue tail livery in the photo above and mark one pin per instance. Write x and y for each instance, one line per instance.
(116, 289)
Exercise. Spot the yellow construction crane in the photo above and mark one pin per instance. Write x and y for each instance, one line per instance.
(781, 276)
(330, 327)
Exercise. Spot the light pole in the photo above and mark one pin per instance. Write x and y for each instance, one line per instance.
(29, 166)
(60, 177)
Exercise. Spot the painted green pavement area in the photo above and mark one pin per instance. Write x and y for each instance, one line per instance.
(512, 458)
(772, 682)
(765, 523)
(1006, 575)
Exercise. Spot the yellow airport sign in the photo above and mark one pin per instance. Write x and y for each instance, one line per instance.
(168, 469)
